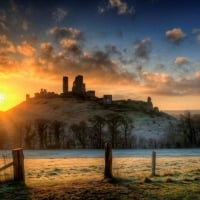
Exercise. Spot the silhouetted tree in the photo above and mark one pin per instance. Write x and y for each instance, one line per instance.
(80, 132)
(57, 127)
(68, 139)
(28, 139)
(196, 121)
(41, 126)
(188, 129)
(18, 133)
(97, 122)
(113, 121)
(126, 127)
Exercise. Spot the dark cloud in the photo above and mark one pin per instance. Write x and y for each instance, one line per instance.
(71, 46)
(97, 66)
(70, 39)
(112, 50)
(142, 49)
(46, 52)
(60, 33)
(33, 38)
(14, 17)
(139, 70)
(196, 32)
(59, 14)
(3, 15)
(161, 67)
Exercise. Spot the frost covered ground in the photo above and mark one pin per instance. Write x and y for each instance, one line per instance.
(82, 178)
(57, 166)
(54, 171)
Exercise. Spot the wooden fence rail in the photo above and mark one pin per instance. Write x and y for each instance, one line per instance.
(19, 172)
(18, 165)
(6, 166)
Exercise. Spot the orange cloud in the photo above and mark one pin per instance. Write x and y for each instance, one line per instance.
(175, 35)
(68, 43)
(181, 60)
(26, 49)
(155, 78)
(197, 75)
(166, 85)
(6, 46)
(122, 7)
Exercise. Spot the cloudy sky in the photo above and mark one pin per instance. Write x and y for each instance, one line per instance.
(130, 49)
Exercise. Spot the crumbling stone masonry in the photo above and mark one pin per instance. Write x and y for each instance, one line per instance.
(78, 88)
(65, 85)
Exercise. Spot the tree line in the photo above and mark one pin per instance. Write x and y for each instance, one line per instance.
(118, 129)
(47, 134)
(185, 135)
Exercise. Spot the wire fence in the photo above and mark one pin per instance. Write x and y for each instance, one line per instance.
(7, 173)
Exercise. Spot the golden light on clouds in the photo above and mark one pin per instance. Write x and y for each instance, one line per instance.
(36, 51)
(26, 49)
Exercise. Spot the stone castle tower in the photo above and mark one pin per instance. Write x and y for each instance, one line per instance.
(149, 105)
(65, 84)
(78, 88)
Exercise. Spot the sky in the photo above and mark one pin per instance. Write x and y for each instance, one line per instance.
(131, 49)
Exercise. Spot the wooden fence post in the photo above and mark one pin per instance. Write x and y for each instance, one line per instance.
(153, 163)
(108, 161)
(18, 164)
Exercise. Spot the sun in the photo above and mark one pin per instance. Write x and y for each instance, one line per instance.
(2, 98)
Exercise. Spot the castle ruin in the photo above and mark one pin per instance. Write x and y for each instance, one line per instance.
(107, 99)
(65, 85)
(149, 105)
(78, 88)
(79, 91)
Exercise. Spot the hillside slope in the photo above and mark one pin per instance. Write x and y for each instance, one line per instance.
(71, 110)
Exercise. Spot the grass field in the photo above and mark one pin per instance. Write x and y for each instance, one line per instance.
(82, 178)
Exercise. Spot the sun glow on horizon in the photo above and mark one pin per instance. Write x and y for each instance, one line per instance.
(2, 102)
(2, 98)
(7, 101)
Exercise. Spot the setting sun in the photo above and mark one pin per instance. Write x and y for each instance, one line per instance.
(115, 57)
(9, 99)
(2, 97)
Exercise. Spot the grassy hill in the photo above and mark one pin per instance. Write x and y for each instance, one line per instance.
(147, 126)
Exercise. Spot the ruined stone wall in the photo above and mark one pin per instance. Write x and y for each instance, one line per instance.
(78, 88)
(65, 84)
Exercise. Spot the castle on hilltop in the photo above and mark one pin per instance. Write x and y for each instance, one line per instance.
(79, 91)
